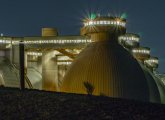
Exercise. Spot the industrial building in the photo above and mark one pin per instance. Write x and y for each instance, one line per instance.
(104, 55)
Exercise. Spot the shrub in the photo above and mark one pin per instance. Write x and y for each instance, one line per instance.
(89, 88)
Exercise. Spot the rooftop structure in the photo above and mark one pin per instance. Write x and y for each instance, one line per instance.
(49, 32)
(141, 53)
(152, 63)
(98, 27)
(129, 40)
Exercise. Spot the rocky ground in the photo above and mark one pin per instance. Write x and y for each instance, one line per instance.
(40, 105)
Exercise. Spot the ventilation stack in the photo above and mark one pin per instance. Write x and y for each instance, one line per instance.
(49, 32)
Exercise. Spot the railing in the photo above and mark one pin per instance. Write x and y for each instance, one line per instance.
(26, 78)
(28, 82)
(15, 70)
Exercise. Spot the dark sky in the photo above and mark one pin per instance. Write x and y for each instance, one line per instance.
(27, 17)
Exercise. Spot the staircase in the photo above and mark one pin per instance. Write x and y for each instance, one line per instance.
(10, 77)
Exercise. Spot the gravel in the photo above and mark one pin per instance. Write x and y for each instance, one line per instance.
(42, 105)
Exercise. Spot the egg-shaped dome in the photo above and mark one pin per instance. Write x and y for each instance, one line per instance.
(110, 69)
(153, 87)
(161, 88)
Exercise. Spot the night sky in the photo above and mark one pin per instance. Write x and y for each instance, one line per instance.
(27, 17)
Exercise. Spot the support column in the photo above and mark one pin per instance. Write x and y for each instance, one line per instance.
(8, 54)
(11, 54)
(49, 71)
(39, 64)
(25, 62)
(15, 53)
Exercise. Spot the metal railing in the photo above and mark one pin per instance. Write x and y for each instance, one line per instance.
(17, 74)
(28, 82)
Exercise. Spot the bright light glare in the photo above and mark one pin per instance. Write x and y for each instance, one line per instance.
(105, 22)
(143, 51)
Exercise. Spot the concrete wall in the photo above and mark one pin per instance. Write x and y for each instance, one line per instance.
(37, 65)
(9, 54)
(2, 53)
